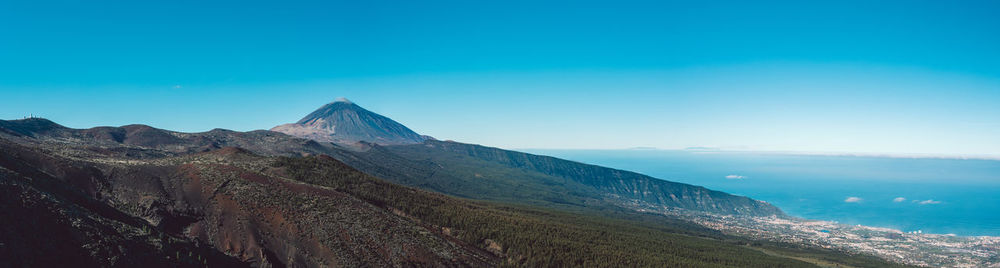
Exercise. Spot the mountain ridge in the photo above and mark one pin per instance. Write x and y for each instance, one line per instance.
(446, 166)
(441, 166)
(613, 181)
(183, 186)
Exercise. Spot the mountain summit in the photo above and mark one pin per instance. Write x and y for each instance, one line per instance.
(344, 122)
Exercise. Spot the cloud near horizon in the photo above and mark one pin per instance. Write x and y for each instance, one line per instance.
(898, 199)
(929, 202)
(735, 177)
(853, 199)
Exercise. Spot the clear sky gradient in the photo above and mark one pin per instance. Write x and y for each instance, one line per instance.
(830, 76)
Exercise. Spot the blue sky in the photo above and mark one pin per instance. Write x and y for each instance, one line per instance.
(830, 76)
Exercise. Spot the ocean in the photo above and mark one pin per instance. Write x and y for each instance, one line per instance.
(943, 196)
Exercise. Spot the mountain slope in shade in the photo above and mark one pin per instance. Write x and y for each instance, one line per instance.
(344, 122)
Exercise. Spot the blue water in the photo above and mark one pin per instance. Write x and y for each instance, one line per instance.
(964, 194)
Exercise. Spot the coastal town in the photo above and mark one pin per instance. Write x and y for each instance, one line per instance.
(913, 248)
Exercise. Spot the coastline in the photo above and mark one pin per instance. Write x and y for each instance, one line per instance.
(922, 249)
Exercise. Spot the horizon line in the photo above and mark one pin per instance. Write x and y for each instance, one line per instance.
(990, 157)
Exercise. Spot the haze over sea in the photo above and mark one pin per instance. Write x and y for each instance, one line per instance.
(932, 195)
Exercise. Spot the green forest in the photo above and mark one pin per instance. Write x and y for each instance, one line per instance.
(533, 236)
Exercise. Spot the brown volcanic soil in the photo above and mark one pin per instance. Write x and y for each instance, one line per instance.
(52, 218)
(122, 206)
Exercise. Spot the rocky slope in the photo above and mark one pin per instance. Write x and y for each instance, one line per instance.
(227, 207)
(347, 123)
(51, 217)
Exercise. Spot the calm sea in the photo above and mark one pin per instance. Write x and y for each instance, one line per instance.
(944, 196)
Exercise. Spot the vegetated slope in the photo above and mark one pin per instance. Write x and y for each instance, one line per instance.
(540, 237)
(490, 173)
(537, 237)
(347, 123)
